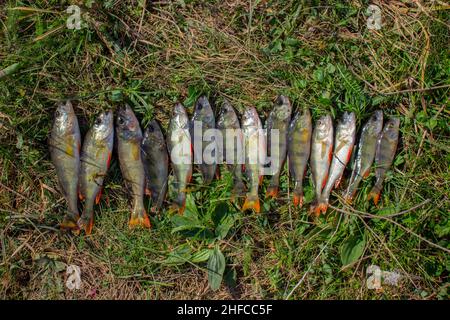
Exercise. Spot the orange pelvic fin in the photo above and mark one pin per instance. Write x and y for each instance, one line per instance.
(260, 180)
(349, 154)
(251, 204)
(108, 162)
(99, 195)
(324, 182)
(148, 192)
(80, 196)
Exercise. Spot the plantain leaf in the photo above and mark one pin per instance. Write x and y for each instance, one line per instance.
(352, 249)
(201, 255)
(216, 267)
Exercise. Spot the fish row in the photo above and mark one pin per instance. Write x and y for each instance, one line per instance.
(144, 157)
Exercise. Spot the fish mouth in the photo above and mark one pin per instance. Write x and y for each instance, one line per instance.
(348, 117)
(202, 103)
(178, 109)
(281, 99)
(378, 115)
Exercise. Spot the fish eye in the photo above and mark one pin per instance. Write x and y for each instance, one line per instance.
(58, 113)
(98, 121)
(151, 128)
(200, 106)
(121, 121)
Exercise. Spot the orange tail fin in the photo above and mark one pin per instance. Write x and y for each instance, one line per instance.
(69, 222)
(272, 192)
(374, 195)
(251, 203)
(142, 220)
(298, 200)
(87, 226)
(315, 209)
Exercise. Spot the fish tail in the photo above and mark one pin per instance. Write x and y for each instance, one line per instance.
(315, 209)
(298, 194)
(180, 202)
(374, 194)
(272, 191)
(351, 191)
(139, 218)
(298, 200)
(86, 221)
(70, 221)
(251, 202)
(238, 188)
(323, 206)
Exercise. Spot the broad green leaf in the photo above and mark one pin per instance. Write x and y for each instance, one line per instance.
(179, 255)
(216, 267)
(201, 255)
(352, 249)
(226, 223)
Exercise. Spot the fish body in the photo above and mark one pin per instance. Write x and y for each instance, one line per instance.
(95, 160)
(366, 153)
(299, 149)
(384, 155)
(232, 146)
(321, 153)
(254, 149)
(278, 123)
(180, 150)
(65, 141)
(129, 138)
(156, 164)
(343, 146)
(204, 117)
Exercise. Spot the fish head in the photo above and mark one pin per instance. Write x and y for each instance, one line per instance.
(203, 111)
(391, 128)
(282, 108)
(346, 126)
(103, 125)
(127, 123)
(323, 127)
(250, 117)
(180, 117)
(227, 117)
(65, 118)
(302, 120)
(153, 135)
(375, 124)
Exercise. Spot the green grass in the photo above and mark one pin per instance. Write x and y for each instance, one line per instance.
(322, 57)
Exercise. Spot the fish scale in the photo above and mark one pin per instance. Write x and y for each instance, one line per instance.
(321, 153)
(279, 120)
(129, 137)
(64, 145)
(366, 153)
(384, 156)
(343, 146)
(95, 159)
(299, 149)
